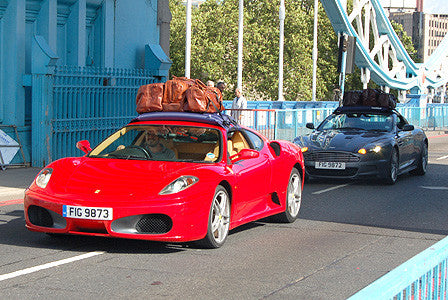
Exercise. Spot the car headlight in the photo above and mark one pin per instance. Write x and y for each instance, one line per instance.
(43, 177)
(304, 149)
(179, 184)
(373, 148)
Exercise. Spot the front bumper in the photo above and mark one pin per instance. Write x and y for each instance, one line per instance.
(356, 166)
(179, 220)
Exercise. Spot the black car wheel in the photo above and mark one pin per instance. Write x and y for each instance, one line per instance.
(422, 162)
(392, 169)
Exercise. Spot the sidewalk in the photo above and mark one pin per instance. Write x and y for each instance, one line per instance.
(14, 181)
(434, 133)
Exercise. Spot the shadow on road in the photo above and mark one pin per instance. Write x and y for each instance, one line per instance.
(414, 203)
(14, 232)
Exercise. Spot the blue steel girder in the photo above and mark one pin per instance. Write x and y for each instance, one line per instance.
(404, 74)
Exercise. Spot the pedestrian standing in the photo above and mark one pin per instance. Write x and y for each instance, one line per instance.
(239, 103)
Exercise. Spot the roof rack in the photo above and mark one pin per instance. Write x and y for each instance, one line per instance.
(218, 119)
(342, 109)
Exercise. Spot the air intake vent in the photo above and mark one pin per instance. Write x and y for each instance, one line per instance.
(39, 216)
(154, 224)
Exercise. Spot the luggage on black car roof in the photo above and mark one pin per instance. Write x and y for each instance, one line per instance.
(369, 97)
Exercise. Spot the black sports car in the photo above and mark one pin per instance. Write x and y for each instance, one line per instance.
(364, 141)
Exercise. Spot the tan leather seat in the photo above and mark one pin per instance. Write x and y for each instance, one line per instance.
(237, 143)
(215, 153)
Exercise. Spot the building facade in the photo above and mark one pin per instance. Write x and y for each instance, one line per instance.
(427, 30)
(104, 43)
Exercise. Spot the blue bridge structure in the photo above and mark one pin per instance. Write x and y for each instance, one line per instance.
(384, 59)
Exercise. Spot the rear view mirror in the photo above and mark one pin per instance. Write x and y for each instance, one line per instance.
(309, 125)
(408, 127)
(244, 154)
(84, 146)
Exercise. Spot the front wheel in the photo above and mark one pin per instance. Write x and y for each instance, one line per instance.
(293, 198)
(392, 169)
(218, 220)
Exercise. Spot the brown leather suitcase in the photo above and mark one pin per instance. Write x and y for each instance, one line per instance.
(201, 98)
(149, 98)
(175, 89)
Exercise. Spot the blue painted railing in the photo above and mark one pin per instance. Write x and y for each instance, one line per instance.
(286, 124)
(91, 103)
(422, 277)
(80, 103)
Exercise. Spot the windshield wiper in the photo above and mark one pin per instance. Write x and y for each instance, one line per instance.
(379, 130)
(353, 128)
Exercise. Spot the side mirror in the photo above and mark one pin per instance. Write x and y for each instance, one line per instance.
(244, 154)
(408, 127)
(309, 125)
(84, 146)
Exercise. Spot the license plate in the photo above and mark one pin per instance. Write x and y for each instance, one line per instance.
(90, 213)
(330, 165)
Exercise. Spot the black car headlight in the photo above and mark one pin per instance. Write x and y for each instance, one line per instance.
(43, 177)
(180, 184)
(370, 148)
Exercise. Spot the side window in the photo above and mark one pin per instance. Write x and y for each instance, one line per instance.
(254, 140)
(401, 122)
(236, 142)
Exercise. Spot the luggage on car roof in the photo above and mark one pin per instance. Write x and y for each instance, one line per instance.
(179, 94)
(369, 97)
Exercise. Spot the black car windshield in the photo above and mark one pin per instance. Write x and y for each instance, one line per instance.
(358, 121)
(161, 143)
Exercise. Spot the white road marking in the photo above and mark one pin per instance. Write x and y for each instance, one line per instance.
(435, 187)
(330, 189)
(443, 157)
(5, 191)
(49, 265)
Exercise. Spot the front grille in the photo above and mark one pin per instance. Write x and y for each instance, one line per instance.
(154, 224)
(331, 156)
(39, 216)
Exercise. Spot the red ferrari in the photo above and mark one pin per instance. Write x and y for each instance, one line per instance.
(169, 176)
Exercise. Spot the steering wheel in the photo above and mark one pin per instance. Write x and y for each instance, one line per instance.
(142, 149)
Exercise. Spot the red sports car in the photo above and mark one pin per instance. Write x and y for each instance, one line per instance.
(169, 176)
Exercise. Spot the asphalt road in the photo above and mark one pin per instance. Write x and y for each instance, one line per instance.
(348, 234)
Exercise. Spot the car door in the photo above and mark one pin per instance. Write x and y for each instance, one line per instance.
(404, 141)
(252, 179)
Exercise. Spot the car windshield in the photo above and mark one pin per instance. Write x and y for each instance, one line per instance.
(358, 121)
(161, 143)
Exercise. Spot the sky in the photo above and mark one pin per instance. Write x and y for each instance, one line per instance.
(435, 6)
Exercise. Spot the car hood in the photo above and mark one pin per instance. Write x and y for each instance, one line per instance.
(341, 140)
(99, 178)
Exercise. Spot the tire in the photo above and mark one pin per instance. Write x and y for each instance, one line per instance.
(293, 198)
(422, 164)
(392, 169)
(218, 220)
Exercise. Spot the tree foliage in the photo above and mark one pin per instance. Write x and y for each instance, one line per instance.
(214, 47)
(405, 39)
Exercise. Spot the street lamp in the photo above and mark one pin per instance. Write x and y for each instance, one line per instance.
(281, 14)
(188, 40)
(240, 45)
(316, 8)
